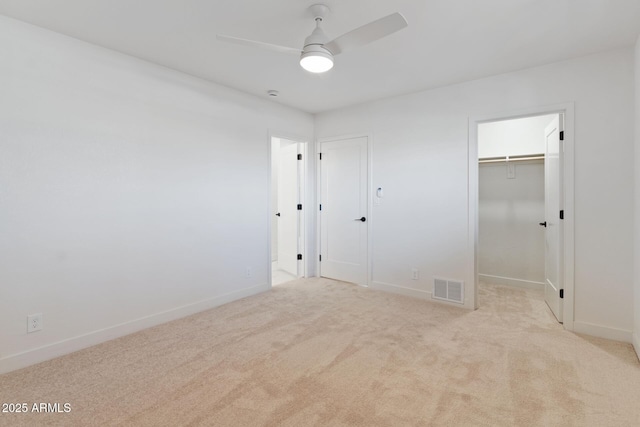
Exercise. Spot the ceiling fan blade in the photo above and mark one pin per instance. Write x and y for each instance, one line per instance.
(367, 33)
(253, 43)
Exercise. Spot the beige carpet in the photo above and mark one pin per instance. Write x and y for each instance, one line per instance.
(321, 353)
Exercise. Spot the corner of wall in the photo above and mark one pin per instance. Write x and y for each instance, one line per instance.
(636, 216)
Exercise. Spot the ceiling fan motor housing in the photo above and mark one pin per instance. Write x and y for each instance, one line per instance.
(317, 37)
(314, 54)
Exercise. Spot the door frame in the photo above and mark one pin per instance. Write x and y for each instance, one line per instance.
(306, 205)
(319, 142)
(568, 250)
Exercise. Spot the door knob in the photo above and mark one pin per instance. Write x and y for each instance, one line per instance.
(544, 224)
(278, 214)
(363, 219)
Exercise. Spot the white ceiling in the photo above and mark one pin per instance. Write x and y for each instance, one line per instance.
(447, 41)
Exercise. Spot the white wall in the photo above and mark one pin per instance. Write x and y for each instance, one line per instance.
(636, 258)
(130, 194)
(510, 241)
(512, 137)
(420, 157)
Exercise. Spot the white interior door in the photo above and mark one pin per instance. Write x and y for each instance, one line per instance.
(344, 214)
(553, 223)
(288, 214)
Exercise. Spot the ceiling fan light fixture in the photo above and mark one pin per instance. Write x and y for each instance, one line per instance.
(318, 51)
(316, 59)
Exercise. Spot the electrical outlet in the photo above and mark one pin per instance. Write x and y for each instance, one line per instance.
(415, 274)
(34, 322)
(248, 272)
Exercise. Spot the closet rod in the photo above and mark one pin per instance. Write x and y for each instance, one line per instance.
(511, 158)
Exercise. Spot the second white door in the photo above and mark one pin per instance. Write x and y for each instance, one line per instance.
(288, 214)
(344, 210)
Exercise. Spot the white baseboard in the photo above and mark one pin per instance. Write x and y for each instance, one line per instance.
(60, 348)
(510, 281)
(395, 289)
(602, 331)
(636, 344)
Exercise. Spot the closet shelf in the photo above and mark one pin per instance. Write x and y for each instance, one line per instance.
(520, 158)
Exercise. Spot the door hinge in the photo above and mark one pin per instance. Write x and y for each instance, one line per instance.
(299, 156)
(320, 206)
(299, 257)
(299, 207)
(320, 257)
(320, 156)
(561, 135)
(561, 293)
(562, 214)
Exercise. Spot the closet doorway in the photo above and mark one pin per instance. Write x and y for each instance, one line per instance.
(520, 205)
(287, 214)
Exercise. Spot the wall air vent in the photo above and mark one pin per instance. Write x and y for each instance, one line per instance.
(448, 290)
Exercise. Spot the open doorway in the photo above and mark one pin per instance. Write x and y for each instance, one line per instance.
(521, 192)
(511, 201)
(287, 214)
(518, 188)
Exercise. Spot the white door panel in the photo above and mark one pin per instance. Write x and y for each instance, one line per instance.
(553, 229)
(287, 208)
(344, 190)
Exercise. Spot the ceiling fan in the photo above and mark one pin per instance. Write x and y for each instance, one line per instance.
(318, 51)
